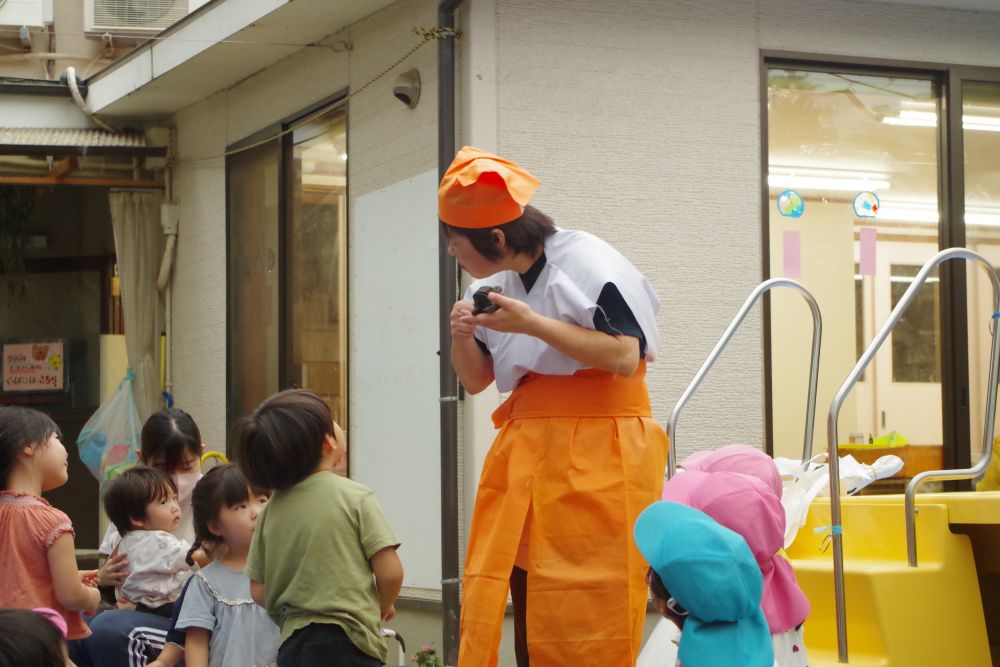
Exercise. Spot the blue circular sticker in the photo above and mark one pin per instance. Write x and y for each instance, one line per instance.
(790, 204)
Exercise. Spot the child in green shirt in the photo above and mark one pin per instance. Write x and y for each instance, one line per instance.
(323, 559)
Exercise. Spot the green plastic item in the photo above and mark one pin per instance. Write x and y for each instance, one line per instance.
(891, 439)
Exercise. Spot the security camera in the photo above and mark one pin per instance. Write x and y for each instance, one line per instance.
(406, 88)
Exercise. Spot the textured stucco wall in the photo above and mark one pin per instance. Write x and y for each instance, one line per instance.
(642, 119)
(387, 143)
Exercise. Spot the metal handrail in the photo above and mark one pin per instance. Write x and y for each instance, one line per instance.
(727, 335)
(834, 450)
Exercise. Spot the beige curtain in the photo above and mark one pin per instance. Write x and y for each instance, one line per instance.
(138, 244)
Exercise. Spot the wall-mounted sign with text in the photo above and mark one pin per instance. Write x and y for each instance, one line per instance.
(33, 367)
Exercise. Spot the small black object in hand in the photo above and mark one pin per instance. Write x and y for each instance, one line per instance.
(481, 300)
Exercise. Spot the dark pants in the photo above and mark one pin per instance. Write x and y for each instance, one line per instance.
(519, 600)
(120, 638)
(323, 645)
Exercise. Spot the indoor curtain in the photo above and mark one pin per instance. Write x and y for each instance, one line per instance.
(138, 244)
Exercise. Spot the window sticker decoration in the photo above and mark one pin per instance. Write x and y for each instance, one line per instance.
(792, 253)
(790, 204)
(866, 205)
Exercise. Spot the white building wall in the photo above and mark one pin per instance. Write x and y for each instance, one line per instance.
(387, 143)
(642, 119)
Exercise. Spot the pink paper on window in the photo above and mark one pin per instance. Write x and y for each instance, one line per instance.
(869, 238)
(792, 251)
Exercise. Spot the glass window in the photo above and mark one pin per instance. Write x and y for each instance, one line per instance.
(981, 140)
(287, 217)
(254, 279)
(851, 155)
(916, 340)
(317, 241)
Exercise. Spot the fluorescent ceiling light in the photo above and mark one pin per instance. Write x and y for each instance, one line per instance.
(976, 216)
(929, 119)
(826, 179)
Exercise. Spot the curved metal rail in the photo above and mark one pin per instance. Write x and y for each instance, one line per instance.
(727, 335)
(838, 401)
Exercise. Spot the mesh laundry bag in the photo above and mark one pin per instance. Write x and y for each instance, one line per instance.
(109, 441)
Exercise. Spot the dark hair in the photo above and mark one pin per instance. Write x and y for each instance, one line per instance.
(19, 428)
(656, 586)
(524, 235)
(127, 495)
(28, 638)
(282, 442)
(222, 486)
(170, 433)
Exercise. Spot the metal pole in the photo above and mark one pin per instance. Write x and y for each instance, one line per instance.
(841, 396)
(447, 295)
(727, 335)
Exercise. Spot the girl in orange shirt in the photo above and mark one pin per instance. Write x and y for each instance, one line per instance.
(39, 555)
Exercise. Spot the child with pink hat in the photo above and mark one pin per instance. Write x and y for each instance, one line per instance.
(748, 506)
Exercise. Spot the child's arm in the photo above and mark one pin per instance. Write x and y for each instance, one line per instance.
(70, 591)
(169, 656)
(388, 579)
(257, 591)
(196, 647)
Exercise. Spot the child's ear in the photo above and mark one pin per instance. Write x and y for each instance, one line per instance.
(28, 452)
(213, 527)
(329, 443)
(137, 524)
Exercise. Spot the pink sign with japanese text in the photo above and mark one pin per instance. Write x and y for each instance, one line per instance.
(33, 367)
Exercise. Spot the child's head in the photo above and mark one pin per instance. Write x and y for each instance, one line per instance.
(28, 637)
(709, 572)
(225, 508)
(31, 437)
(743, 459)
(746, 505)
(286, 439)
(171, 442)
(142, 498)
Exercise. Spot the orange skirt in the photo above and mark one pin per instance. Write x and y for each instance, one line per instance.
(583, 456)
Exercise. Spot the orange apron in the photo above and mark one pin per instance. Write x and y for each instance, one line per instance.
(583, 456)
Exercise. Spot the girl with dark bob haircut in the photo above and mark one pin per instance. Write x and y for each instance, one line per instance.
(28, 638)
(20, 428)
(282, 442)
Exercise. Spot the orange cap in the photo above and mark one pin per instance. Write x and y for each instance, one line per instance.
(481, 190)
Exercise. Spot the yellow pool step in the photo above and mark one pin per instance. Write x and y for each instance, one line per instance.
(898, 616)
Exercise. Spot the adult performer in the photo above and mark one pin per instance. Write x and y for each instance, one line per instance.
(578, 456)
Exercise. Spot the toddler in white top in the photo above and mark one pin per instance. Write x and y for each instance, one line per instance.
(142, 504)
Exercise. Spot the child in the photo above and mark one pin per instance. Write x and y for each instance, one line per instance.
(746, 505)
(709, 583)
(142, 504)
(170, 442)
(320, 540)
(224, 626)
(35, 637)
(38, 558)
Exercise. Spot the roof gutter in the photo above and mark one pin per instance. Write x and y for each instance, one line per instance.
(447, 295)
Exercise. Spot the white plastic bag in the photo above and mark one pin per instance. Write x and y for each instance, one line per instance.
(803, 483)
(109, 441)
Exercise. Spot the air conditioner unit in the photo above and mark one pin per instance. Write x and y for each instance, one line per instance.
(15, 13)
(136, 17)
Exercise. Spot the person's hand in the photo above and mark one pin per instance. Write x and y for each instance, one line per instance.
(114, 571)
(513, 316)
(462, 325)
(389, 612)
(88, 578)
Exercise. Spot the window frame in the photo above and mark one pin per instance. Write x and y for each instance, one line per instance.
(285, 128)
(948, 80)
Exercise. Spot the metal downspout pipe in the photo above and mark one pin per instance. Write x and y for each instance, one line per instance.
(447, 295)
